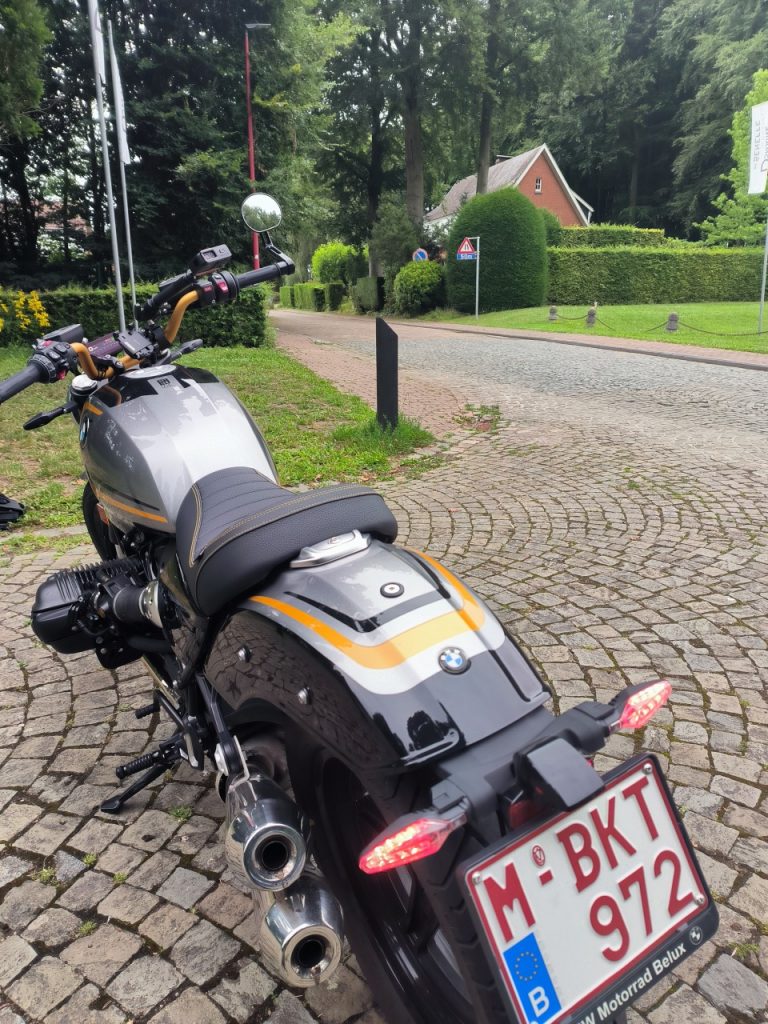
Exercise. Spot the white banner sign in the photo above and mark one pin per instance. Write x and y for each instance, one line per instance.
(97, 39)
(117, 96)
(758, 151)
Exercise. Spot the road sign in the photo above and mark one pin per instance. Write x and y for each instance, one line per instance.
(420, 255)
(466, 250)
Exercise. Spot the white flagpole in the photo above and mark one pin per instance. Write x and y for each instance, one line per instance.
(100, 74)
(124, 157)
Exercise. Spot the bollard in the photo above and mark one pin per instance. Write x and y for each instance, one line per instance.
(386, 375)
(673, 321)
(552, 313)
(591, 316)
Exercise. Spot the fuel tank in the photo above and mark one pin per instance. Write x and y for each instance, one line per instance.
(385, 655)
(147, 436)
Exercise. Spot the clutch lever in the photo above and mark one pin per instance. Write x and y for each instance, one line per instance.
(40, 419)
(182, 350)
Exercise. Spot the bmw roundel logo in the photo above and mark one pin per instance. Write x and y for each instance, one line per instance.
(453, 660)
(84, 424)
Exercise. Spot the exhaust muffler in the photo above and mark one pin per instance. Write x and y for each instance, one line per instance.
(265, 840)
(302, 931)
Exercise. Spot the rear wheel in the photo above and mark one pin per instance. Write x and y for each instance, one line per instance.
(410, 928)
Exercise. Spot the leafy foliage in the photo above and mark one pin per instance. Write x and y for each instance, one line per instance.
(309, 296)
(368, 294)
(419, 287)
(513, 264)
(22, 39)
(610, 234)
(553, 229)
(394, 239)
(331, 262)
(741, 217)
(624, 274)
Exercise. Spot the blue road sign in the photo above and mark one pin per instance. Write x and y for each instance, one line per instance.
(419, 255)
(466, 255)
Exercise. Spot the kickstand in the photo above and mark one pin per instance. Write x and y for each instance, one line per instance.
(114, 804)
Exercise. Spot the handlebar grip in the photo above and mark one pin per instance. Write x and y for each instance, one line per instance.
(252, 277)
(31, 374)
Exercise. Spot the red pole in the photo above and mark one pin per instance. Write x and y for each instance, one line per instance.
(251, 146)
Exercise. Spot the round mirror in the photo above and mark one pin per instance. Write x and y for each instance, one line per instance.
(261, 212)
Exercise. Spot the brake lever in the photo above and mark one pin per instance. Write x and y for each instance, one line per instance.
(40, 419)
(182, 350)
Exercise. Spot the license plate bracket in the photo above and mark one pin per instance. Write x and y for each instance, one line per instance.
(582, 912)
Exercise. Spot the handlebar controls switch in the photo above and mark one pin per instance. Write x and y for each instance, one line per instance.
(208, 260)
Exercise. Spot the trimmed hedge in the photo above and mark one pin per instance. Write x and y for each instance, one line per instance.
(286, 295)
(330, 261)
(513, 265)
(242, 323)
(419, 287)
(334, 293)
(368, 294)
(624, 274)
(553, 229)
(601, 235)
(309, 296)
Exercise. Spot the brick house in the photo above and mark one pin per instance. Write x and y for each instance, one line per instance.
(535, 173)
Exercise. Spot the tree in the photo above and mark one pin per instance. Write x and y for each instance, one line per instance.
(741, 217)
(23, 36)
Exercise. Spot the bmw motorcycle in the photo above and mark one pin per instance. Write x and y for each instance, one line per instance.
(388, 763)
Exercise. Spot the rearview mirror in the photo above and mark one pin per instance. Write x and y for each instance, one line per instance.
(261, 212)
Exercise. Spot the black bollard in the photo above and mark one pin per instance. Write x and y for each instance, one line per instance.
(386, 375)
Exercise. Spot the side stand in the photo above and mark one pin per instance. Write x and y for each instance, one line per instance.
(157, 762)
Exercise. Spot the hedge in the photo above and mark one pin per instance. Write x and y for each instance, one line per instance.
(242, 323)
(513, 265)
(601, 235)
(419, 287)
(286, 295)
(309, 296)
(330, 261)
(624, 274)
(368, 294)
(334, 293)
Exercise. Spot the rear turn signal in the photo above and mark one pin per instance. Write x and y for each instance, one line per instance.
(409, 839)
(642, 705)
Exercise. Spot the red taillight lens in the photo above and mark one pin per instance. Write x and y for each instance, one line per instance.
(409, 839)
(643, 705)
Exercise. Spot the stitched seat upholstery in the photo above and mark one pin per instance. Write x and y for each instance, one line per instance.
(235, 526)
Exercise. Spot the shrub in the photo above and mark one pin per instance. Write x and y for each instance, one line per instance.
(242, 323)
(334, 293)
(624, 274)
(309, 296)
(552, 227)
(393, 239)
(601, 235)
(368, 294)
(513, 265)
(330, 262)
(419, 287)
(23, 317)
(286, 296)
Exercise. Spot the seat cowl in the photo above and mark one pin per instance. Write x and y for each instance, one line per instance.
(235, 526)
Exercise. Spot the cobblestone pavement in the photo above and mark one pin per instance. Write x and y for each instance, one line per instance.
(614, 520)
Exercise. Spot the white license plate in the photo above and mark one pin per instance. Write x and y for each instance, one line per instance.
(577, 906)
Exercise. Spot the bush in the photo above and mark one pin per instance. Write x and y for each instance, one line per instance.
(552, 227)
(367, 294)
(419, 287)
(286, 296)
(513, 265)
(23, 317)
(331, 261)
(602, 235)
(309, 296)
(242, 323)
(334, 293)
(393, 239)
(624, 274)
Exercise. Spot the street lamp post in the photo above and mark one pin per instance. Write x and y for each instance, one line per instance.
(251, 142)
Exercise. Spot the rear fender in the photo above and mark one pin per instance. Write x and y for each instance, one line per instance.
(384, 655)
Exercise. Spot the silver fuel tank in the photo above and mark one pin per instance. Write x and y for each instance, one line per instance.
(147, 436)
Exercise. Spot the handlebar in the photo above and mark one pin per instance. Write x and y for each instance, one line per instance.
(31, 374)
(252, 277)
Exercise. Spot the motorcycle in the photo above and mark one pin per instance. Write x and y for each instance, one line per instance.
(390, 769)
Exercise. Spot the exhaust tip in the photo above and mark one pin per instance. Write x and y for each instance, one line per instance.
(275, 857)
(312, 958)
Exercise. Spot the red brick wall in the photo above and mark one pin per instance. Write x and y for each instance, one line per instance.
(552, 196)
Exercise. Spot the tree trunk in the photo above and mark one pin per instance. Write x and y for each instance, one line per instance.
(634, 173)
(17, 162)
(488, 101)
(414, 151)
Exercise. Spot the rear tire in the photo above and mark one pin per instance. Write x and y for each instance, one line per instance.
(410, 929)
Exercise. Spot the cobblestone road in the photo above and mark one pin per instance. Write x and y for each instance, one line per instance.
(615, 521)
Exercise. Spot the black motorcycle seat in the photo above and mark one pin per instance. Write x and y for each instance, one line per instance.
(235, 526)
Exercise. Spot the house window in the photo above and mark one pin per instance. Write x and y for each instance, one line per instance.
(538, 187)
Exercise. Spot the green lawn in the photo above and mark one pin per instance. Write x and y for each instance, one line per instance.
(722, 319)
(316, 433)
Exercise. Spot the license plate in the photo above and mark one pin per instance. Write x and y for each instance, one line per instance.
(586, 911)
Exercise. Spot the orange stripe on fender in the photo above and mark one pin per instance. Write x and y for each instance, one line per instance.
(391, 653)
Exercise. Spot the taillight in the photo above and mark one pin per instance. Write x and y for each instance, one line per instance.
(409, 839)
(642, 705)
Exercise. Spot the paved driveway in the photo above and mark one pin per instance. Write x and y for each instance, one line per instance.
(615, 522)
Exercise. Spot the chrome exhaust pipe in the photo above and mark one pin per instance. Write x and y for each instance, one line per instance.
(265, 837)
(302, 931)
